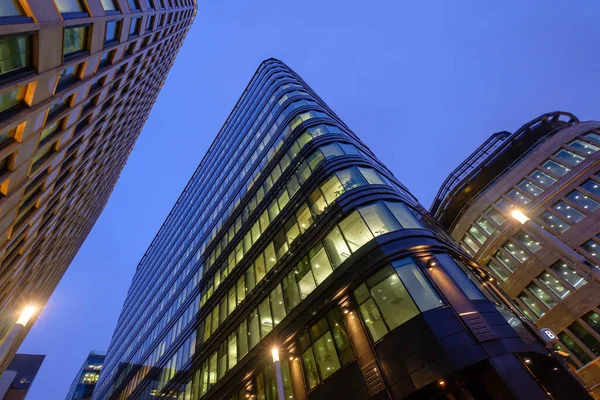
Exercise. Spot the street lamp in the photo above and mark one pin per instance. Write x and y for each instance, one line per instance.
(278, 374)
(554, 242)
(15, 331)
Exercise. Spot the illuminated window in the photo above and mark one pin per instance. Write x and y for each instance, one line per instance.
(529, 188)
(486, 225)
(552, 221)
(592, 247)
(392, 296)
(542, 179)
(575, 348)
(592, 186)
(325, 348)
(584, 147)
(517, 197)
(583, 201)
(568, 157)
(593, 320)
(476, 233)
(529, 242)
(531, 304)
(495, 215)
(568, 274)
(555, 168)
(585, 337)
(568, 212)
(516, 251)
(498, 270)
(594, 137)
(541, 295)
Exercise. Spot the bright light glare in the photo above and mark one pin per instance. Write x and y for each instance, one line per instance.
(26, 315)
(275, 353)
(519, 216)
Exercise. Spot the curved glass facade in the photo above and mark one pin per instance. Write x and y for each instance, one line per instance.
(291, 234)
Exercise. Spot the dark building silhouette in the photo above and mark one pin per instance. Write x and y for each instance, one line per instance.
(292, 235)
(85, 381)
(549, 170)
(18, 377)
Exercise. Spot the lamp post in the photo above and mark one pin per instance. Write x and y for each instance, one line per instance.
(278, 374)
(555, 242)
(15, 331)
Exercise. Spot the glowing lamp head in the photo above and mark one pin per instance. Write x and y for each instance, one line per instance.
(519, 216)
(275, 354)
(26, 315)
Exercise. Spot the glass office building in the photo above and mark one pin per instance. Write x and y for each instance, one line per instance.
(77, 82)
(85, 381)
(549, 169)
(291, 235)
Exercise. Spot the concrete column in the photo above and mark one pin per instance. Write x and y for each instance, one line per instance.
(365, 356)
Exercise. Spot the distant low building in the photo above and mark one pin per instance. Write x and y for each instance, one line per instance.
(16, 380)
(84, 383)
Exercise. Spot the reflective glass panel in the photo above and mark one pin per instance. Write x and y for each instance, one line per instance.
(518, 197)
(544, 297)
(10, 8)
(529, 188)
(495, 215)
(552, 221)
(568, 274)
(554, 285)
(486, 225)
(586, 337)
(555, 168)
(593, 320)
(379, 219)
(74, 40)
(542, 179)
(15, 53)
(568, 157)
(355, 231)
(583, 201)
(498, 270)
(575, 348)
(592, 247)
(529, 242)
(68, 6)
(592, 186)
(572, 215)
(533, 306)
(584, 147)
(477, 234)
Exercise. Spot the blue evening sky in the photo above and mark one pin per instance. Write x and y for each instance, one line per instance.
(423, 83)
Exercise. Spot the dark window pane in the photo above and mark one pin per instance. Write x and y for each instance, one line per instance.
(74, 40)
(15, 53)
(575, 348)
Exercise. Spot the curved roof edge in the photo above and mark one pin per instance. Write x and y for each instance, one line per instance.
(489, 161)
